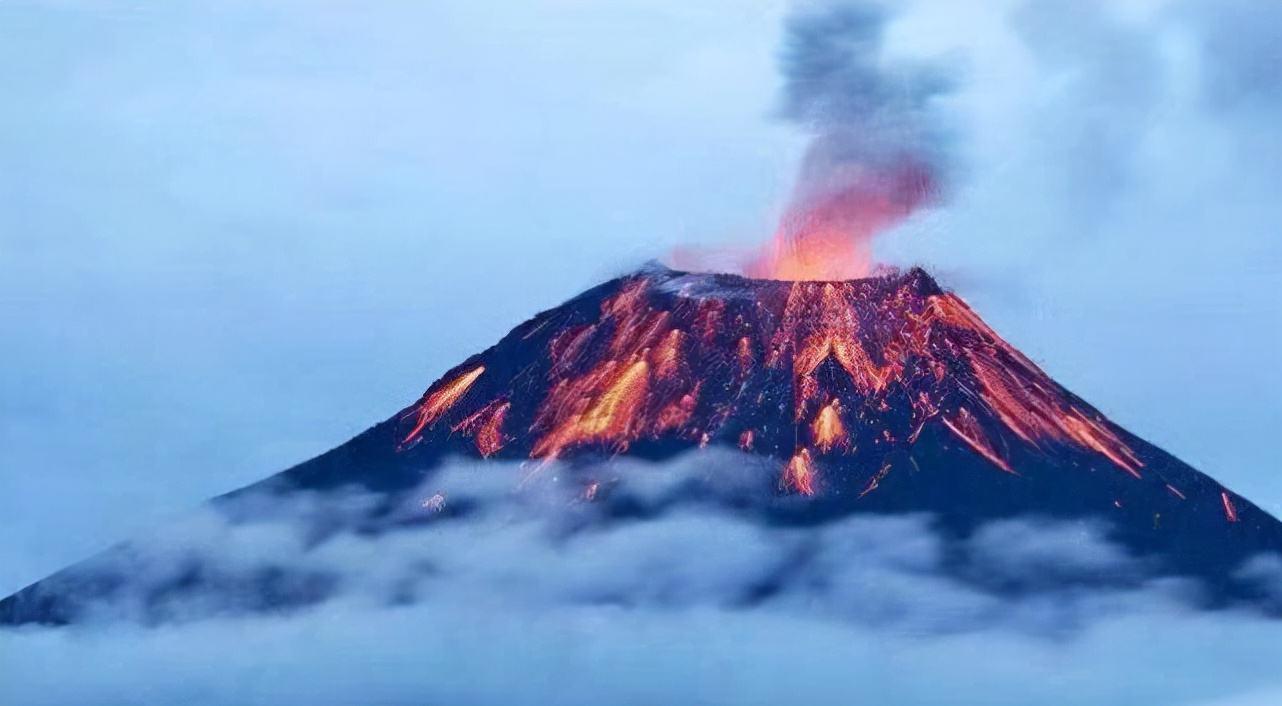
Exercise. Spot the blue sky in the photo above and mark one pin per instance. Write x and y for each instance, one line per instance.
(233, 235)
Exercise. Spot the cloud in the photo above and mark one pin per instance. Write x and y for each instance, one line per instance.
(1265, 572)
(1106, 80)
(865, 112)
(462, 650)
(520, 589)
(694, 531)
(1238, 41)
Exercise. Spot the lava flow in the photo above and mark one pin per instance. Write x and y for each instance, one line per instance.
(835, 379)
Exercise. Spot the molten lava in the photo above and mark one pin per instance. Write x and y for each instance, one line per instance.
(968, 429)
(799, 474)
(1230, 510)
(855, 373)
(828, 430)
(435, 403)
(486, 426)
(638, 372)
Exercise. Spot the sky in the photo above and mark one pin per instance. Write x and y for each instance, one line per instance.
(233, 235)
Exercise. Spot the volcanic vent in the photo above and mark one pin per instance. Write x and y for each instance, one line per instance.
(882, 395)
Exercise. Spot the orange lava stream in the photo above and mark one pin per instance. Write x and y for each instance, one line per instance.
(617, 405)
(827, 429)
(1022, 397)
(827, 315)
(613, 402)
(437, 403)
(677, 415)
(967, 429)
(486, 427)
(668, 355)
(799, 474)
(745, 354)
(1230, 511)
(613, 396)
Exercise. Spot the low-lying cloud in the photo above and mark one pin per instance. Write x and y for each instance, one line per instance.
(655, 585)
(689, 532)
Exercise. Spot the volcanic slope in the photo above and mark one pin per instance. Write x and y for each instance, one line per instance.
(882, 395)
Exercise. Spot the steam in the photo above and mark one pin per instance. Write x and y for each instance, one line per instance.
(878, 149)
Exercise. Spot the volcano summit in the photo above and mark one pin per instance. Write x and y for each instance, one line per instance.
(884, 396)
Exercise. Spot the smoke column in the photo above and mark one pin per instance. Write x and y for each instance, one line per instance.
(877, 151)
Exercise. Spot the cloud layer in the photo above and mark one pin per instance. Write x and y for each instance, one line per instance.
(684, 533)
(526, 587)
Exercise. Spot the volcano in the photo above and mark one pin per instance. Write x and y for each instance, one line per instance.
(883, 395)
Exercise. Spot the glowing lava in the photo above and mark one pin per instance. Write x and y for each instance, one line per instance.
(601, 407)
(435, 403)
(828, 429)
(967, 428)
(811, 373)
(799, 475)
(486, 426)
(1230, 510)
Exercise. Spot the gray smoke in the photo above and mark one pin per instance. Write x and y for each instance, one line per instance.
(877, 134)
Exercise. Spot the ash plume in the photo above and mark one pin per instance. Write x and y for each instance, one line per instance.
(878, 149)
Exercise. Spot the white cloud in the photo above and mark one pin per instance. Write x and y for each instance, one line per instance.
(518, 590)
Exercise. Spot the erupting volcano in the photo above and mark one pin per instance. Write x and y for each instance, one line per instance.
(846, 382)
(878, 395)
(808, 371)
